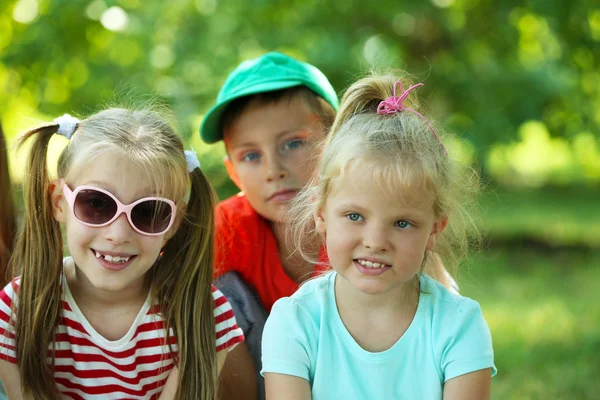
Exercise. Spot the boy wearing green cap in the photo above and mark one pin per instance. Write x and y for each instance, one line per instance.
(270, 112)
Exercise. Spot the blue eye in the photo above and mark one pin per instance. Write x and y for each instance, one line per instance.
(250, 156)
(354, 217)
(294, 144)
(403, 224)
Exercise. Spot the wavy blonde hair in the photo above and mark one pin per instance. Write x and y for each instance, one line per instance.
(400, 151)
(180, 280)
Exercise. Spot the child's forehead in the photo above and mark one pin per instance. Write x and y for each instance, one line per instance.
(384, 179)
(269, 120)
(114, 169)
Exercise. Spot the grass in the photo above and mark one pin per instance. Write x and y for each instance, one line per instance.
(545, 324)
(556, 217)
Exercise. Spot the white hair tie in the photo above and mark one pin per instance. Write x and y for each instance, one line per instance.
(192, 160)
(66, 125)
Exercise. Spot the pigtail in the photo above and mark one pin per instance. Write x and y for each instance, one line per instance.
(38, 259)
(185, 278)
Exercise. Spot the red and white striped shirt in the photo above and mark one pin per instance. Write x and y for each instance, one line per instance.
(88, 366)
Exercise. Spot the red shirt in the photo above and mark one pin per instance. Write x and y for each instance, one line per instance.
(245, 243)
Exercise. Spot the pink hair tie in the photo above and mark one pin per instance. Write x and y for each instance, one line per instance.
(393, 104)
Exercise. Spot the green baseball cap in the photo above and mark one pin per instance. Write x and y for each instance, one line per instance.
(272, 71)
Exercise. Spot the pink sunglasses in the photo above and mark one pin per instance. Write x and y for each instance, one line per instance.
(92, 206)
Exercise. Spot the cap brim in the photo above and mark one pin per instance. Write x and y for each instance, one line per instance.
(210, 129)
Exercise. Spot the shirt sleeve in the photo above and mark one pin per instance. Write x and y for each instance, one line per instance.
(289, 344)
(466, 344)
(7, 322)
(227, 331)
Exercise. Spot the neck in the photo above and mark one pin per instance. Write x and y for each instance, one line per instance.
(396, 301)
(88, 296)
(294, 265)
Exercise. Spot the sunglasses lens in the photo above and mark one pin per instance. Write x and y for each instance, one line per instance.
(152, 216)
(94, 207)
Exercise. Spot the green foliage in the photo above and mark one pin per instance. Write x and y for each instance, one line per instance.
(545, 325)
(554, 217)
(489, 66)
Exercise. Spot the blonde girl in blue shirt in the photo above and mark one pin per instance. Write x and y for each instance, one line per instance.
(387, 199)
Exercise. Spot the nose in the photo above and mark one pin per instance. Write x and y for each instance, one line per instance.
(119, 231)
(375, 239)
(275, 169)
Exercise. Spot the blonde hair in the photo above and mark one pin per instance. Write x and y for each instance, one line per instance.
(180, 280)
(398, 150)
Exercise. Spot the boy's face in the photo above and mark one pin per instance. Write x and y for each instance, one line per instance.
(270, 148)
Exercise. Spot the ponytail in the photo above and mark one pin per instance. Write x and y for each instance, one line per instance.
(184, 274)
(38, 259)
(364, 96)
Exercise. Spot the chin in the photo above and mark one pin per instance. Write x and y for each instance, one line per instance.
(109, 285)
(370, 287)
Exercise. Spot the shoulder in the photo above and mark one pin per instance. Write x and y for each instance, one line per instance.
(8, 295)
(461, 338)
(446, 305)
(8, 306)
(315, 288)
(309, 302)
(239, 234)
(236, 220)
(227, 332)
(222, 308)
(235, 207)
(293, 330)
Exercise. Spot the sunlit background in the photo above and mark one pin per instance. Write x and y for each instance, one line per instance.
(518, 83)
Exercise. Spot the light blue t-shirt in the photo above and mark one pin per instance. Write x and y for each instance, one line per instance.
(305, 337)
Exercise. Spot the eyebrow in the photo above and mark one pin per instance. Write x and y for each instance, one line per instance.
(103, 185)
(350, 206)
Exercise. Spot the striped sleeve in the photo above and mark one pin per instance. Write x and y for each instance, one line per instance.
(227, 331)
(7, 322)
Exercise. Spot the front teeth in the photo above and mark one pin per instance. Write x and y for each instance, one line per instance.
(114, 260)
(370, 264)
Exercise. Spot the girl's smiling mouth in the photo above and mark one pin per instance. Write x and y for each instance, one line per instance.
(371, 268)
(113, 261)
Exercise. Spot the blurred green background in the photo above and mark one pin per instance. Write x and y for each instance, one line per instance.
(518, 82)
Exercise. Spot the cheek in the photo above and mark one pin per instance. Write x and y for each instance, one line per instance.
(414, 244)
(152, 245)
(249, 177)
(303, 165)
(77, 235)
(342, 238)
(75, 229)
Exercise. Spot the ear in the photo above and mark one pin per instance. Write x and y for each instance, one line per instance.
(178, 218)
(320, 222)
(436, 231)
(171, 231)
(60, 208)
(231, 172)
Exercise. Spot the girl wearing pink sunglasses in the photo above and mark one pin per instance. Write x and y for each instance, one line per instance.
(132, 311)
